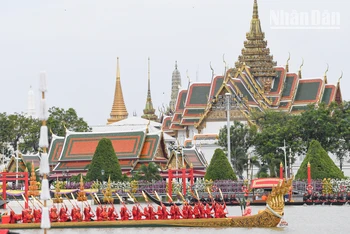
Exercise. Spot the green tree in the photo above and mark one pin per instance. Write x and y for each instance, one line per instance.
(219, 167)
(60, 118)
(322, 166)
(341, 146)
(241, 137)
(104, 159)
(149, 172)
(275, 128)
(317, 123)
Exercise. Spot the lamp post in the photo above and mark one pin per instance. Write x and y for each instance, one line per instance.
(290, 163)
(228, 102)
(102, 173)
(285, 157)
(228, 96)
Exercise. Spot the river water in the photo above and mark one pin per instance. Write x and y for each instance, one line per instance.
(301, 219)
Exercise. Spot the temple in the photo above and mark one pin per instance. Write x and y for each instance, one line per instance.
(256, 83)
(119, 111)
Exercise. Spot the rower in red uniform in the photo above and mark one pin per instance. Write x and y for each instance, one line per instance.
(27, 216)
(190, 212)
(185, 211)
(37, 215)
(146, 213)
(112, 215)
(207, 210)
(124, 213)
(196, 211)
(14, 218)
(103, 216)
(152, 214)
(87, 214)
(53, 214)
(64, 214)
(98, 212)
(248, 209)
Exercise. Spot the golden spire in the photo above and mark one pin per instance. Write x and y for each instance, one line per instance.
(341, 76)
(299, 73)
(287, 65)
(325, 75)
(148, 112)
(119, 111)
(255, 53)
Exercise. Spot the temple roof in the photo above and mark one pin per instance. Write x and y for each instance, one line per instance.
(55, 149)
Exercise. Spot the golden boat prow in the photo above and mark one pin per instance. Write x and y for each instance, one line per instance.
(271, 216)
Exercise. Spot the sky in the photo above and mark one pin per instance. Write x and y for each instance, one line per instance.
(77, 43)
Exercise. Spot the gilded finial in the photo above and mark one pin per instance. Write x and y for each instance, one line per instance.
(255, 10)
(118, 70)
(308, 164)
(281, 165)
(287, 65)
(51, 131)
(223, 59)
(188, 77)
(341, 76)
(299, 73)
(325, 75)
(175, 64)
(212, 70)
(64, 125)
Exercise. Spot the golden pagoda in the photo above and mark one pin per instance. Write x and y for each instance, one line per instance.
(81, 193)
(256, 55)
(33, 186)
(119, 111)
(57, 198)
(148, 112)
(107, 195)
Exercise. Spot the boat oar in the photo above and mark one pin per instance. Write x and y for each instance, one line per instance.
(211, 197)
(24, 198)
(182, 197)
(38, 201)
(18, 201)
(69, 200)
(171, 200)
(222, 197)
(121, 200)
(98, 200)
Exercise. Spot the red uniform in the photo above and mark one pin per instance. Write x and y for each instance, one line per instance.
(53, 214)
(146, 213)
(87, 213)
(27, 216)
(112, 215)
(152, 214)
(14, 218)
(124, 213)
(63, 214)
(136, 213)
(37, 215)
(208, 211)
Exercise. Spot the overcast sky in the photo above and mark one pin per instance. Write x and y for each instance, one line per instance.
(77, 43)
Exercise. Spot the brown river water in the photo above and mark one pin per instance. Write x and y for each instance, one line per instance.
(301, 219)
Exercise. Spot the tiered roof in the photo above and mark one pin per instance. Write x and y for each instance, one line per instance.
(149, 112)
(255, 83)
(132, 148)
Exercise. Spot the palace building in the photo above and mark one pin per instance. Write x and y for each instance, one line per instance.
(256, 83)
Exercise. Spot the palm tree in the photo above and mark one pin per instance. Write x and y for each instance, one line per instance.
(150, 172)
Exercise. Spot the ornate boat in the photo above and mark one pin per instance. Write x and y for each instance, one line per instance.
(271, 216)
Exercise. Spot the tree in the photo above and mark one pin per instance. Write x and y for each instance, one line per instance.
(317, 123)
(104, 159)
(241, 137)
(60, 118)
(322, 166)
(149, 173)
(219, 167)
(341, 146)
(275, 128)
